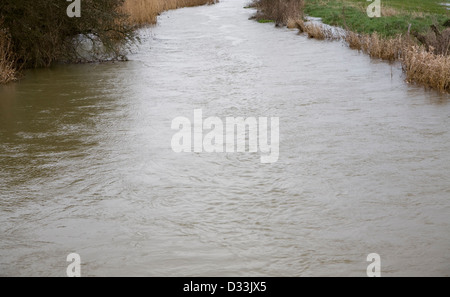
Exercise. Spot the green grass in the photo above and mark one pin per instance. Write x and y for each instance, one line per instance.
(263, 21)
(352, 14)
(429, 6)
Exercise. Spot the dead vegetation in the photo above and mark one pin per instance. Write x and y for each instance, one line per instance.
(435, 41)
(387, 11)
(8, 71)
(315, 31)
(375, 46)
(144, 12)
(282, 12)
(299, 24)
(426, 68)
(320, 32)
(427, 64)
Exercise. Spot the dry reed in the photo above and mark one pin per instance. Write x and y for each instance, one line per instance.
(387, 11)
(319, 31)
(421, 64)
(382, 48)
(292, 24)
(353, 40)
(144, 12)
(8, 71)
(426, 68)
(315, 31)
(281, 12)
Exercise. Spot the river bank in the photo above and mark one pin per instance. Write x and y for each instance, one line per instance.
(416, 34)
(109, 25)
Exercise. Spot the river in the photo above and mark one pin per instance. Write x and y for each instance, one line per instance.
(86, 164)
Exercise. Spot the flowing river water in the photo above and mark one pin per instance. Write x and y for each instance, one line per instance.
(86, 164)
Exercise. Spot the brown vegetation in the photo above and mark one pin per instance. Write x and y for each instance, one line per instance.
(435, 41)
(428, 65)
(143, 12)
(426, 68)
(7, 59)
(315, 31)
(299, 24)
(387, 11)
(280, 11)
(376, 46)
(320, 32)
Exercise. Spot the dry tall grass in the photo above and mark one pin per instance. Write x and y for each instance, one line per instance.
(319, 31)
(387, 11)
(421, 64)
(435, 41)
(280, 11)
(315, 31)
(143, 12)
(354, 40)
(426, 68)
(376, 46)
(8, 71)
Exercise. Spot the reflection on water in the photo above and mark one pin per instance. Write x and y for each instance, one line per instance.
(86, 162)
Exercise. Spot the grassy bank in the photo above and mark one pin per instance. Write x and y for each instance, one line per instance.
(414, 32)
(395, 20)
(38, 33)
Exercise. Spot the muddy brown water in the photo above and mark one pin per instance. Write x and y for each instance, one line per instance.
(86, 164)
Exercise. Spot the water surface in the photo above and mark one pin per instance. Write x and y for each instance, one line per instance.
(86, 163)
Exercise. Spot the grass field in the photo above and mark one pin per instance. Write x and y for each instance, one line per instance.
(429, 6)
(396, 15)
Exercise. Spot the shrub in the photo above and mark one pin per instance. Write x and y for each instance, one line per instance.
(7, 59)
(41, 32)
(281, 11)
